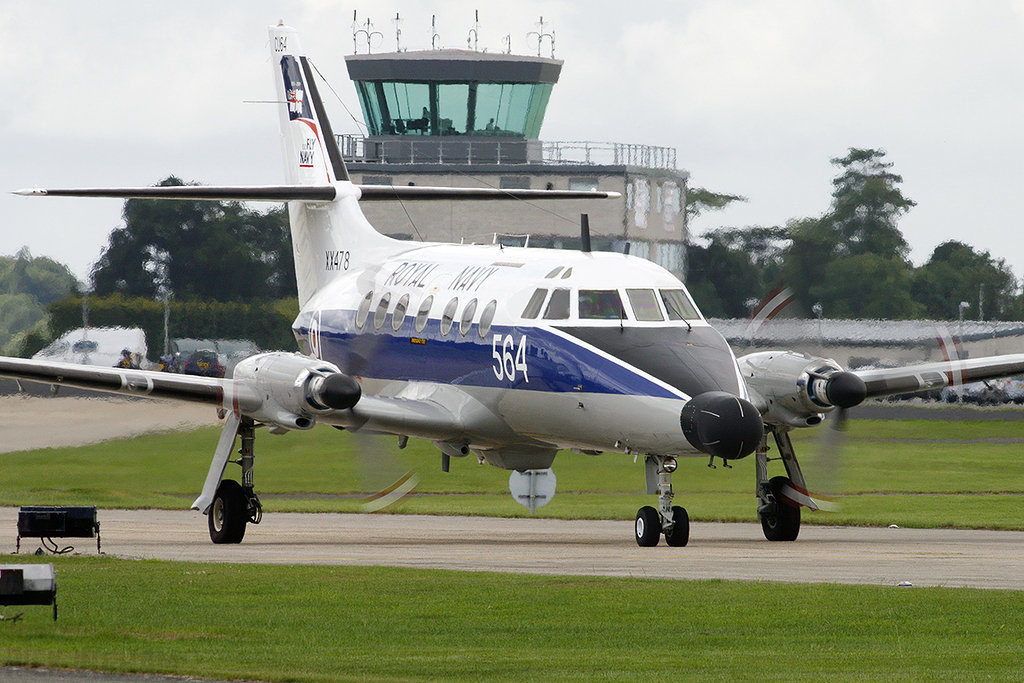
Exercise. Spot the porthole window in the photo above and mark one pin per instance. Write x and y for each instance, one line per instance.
(424, 313)
(400, 310)
(448, 317)
(364, 310)
(382, 310)
(486, 318)
(467, 318)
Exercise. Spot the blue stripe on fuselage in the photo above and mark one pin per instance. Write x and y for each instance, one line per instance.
(552, 361)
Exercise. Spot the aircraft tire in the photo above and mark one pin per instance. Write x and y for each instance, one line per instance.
(680, 533)
(784, 523)
(228, 514)
(648, 527)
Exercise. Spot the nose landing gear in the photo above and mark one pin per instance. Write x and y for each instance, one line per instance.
(668, 520)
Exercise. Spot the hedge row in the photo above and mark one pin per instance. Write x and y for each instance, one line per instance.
(267, 324)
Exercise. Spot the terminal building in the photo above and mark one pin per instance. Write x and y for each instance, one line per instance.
(465, 118)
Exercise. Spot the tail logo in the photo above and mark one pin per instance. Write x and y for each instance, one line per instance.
(298, 106)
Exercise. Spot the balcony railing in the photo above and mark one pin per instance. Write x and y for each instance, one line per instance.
(510, 152)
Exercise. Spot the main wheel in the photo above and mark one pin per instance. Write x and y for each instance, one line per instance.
(229, 513)
(680, 533)
(648, 527)
(784, 523)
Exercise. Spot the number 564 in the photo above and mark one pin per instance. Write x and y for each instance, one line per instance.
(508, 360)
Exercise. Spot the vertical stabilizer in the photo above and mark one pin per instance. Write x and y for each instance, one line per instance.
(328, 239)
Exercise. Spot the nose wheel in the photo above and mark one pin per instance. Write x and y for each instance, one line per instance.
(669, 520)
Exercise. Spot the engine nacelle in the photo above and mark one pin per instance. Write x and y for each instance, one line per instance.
(294, 389)
(795, 389)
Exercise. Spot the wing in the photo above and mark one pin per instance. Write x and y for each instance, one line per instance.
(268, 399)
(223, 393)
(906, 380)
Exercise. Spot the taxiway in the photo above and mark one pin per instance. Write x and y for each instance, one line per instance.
(872, 556)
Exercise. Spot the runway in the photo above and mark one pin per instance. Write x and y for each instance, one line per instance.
(872, 556)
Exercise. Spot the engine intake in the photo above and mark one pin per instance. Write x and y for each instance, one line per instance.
(294, 389)
(796, 389)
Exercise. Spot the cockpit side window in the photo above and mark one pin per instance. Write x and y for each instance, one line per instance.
(532, 309)
(601, 304)
(678, 305)
(645, 304)
(558, 307)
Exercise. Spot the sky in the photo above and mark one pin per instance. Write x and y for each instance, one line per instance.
(756, 97)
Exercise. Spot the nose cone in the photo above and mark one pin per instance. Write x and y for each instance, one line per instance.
(722, 425)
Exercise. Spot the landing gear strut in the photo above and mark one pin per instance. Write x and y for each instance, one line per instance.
(235, 505)
(780, 516)
(670, 520)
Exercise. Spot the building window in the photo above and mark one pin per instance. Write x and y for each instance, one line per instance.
(514, 182)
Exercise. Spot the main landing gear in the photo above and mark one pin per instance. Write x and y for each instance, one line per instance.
(235, 505)
(668, 520)
(778, 512)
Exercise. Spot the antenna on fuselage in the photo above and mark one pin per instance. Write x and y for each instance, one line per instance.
(585, 232)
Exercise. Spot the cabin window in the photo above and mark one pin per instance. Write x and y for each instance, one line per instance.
(678, 305)
(424, 313)
(554, 272)
(448, 317)
(567, 273)
(645, 304)
(601, 304)
(382, 310)
(486, 318)
(532, 309)
(401, 308)
(467, 318)
(364, 310)
(558, 307)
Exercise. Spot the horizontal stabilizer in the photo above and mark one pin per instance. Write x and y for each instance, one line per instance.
(311, 193)
(413, 192)
(259, 193)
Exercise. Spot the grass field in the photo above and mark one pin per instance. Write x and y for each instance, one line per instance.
(387, 624)
(910, 473)
(301, 623)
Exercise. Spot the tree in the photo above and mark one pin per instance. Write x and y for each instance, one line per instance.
(220, 251)
(27, 286)
(866, 205)
(955, 272)
(699, 200)
(852, 260)
(722, 279)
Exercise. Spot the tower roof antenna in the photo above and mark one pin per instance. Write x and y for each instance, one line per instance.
(540, 35)
(397, 21)
(364, 33)
(474, 33)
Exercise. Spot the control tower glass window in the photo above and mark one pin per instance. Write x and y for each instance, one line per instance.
(500, 109)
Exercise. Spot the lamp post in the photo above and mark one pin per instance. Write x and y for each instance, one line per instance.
(963, 305)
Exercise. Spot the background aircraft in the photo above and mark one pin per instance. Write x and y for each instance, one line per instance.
(508, 353)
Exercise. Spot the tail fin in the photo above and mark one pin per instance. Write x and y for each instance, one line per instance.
(327, 239)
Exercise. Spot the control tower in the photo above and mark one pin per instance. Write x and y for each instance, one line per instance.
(465, 118)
